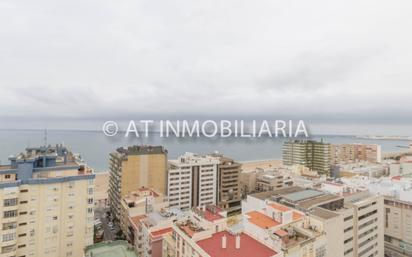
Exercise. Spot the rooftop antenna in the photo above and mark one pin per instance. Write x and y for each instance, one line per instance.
(45, 138)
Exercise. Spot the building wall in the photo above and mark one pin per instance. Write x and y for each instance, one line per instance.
(144, 171)
(133, 169)
(312, 154)
(398, 228)
(192, 181)
(53, 219)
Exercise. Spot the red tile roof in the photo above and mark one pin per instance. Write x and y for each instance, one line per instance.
(249, 247)
(161, 232)
(261, 220)
(210, 216)
(297, 216)
(135, 220)
(279, 207)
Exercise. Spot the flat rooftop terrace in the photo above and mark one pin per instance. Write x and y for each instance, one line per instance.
(302, 195)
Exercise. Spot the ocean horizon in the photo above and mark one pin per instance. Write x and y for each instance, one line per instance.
(94, 146)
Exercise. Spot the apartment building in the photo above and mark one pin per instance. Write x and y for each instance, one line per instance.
(147, 232)
(259, 180)
(398, 227)
(353, 223)
(309, 153)
(138, 203)
(269, 230)
(397, 192)
(347, 153)
(46, 196)
(228, 190)
(205, 233)
(372, 170)
(135, 167)
(192, 181)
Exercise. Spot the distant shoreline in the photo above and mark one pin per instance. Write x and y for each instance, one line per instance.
(400, 138)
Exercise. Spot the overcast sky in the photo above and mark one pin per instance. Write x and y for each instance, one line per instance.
(343, 66)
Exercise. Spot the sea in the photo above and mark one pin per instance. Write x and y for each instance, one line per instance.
(94, 146)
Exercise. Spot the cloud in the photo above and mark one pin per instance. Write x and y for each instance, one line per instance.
(342, 62)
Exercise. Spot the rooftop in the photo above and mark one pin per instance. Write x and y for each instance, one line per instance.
(279, 207)
(110, 249)
(161, 232)
(268, 194)
(323, 213)
(141, 150)
(190, 227)
(316, 201)
(136, 219)
(248, 246)
(302, 195)
(261, 220)
(210, 213)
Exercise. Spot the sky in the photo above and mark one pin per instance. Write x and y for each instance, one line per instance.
(344, 67)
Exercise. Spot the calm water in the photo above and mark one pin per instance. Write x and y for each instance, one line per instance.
(94, 146)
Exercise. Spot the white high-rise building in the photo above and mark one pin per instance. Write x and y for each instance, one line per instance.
(192, 181)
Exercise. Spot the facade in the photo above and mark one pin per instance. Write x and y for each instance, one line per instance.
(260, 180)
(46, 196)
(270, 180)
(138, 203)
(133, 168)
(373, 170)
(311, 154)
(397, 192)
(347, 153)
(398, 227)
(352, 224)
(148, 232)
(192, 181)
(228, 191)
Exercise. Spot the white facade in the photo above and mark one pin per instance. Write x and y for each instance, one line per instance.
(192, 181)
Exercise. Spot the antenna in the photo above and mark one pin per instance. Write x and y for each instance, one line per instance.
(45, 138)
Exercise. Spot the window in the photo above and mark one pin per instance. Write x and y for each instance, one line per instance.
(9, 225)
(348, 218)
(7, 176)
(8, 249)
(9, 237)
(10, 202)
(9, 214)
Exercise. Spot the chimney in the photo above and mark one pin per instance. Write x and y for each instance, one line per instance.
(237, 242)
(224, 241)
